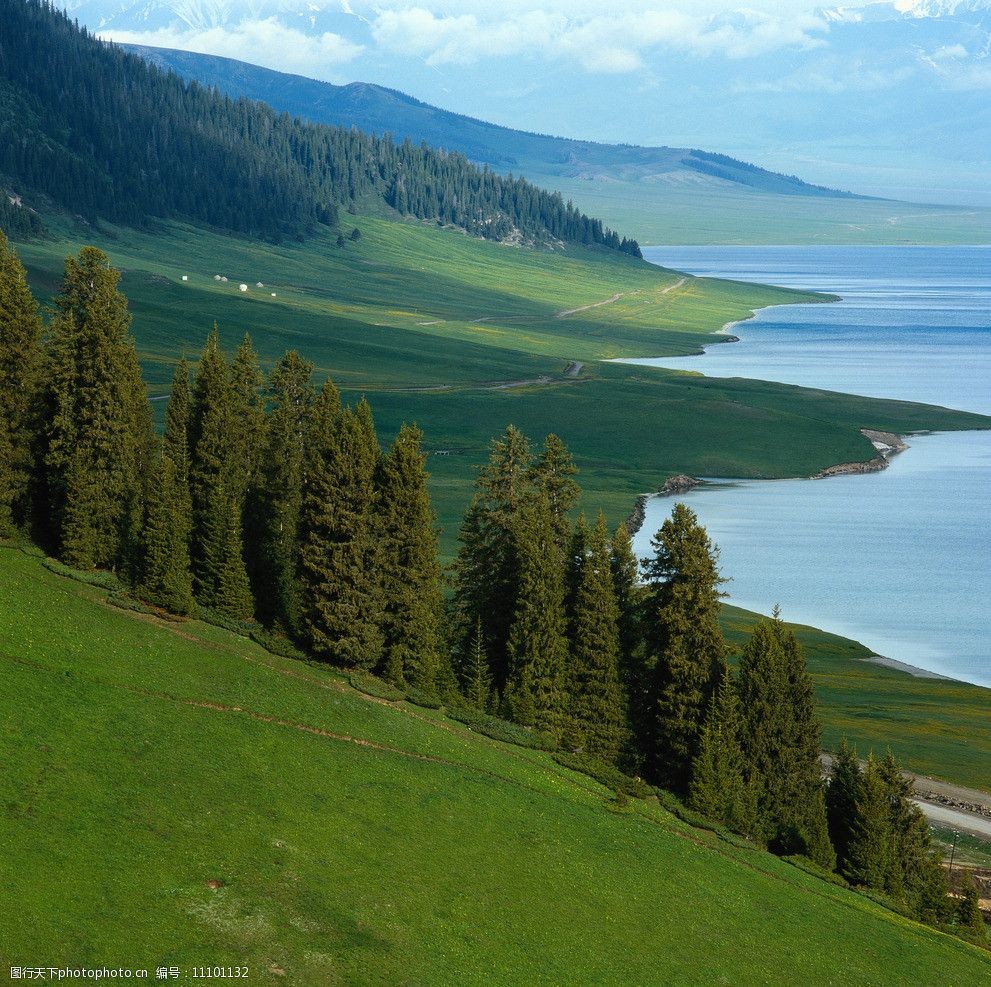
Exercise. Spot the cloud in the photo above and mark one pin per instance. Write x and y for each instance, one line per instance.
(623, 41)
(263, 42)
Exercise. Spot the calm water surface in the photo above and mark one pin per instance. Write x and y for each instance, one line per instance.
(900, 560)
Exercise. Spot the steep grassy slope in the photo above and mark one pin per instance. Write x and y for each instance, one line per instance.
(351, 840)
(463, 337)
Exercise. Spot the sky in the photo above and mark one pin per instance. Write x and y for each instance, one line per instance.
(882, 98)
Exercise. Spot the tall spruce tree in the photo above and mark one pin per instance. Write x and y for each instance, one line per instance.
(969, 915)
(21, 359)
(342, 599)
(536, 692)
(210, 425)
(869, 852)
(175, 446)
(476, 683)
(805, 816)
(99, 433)
(487, 570)
(841, 800)
(597, 717)
(291, 394)
(717, 788)
(409, 571)
(554, 471)
(165, 578)
(685, 643)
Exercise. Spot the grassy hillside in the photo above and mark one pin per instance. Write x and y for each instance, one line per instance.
(463, 337)
(177, 796)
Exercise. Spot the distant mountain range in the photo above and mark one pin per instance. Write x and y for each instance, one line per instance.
(376, 109)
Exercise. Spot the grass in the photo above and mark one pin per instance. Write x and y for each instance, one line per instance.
(661, 213)
(352, 839)
(936, 728)
(431, 325)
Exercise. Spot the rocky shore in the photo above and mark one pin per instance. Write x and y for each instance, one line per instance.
(887, 445)
(673, 485)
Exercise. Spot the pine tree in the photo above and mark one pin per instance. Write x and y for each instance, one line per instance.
(175, 446)
(165, 577)
(538, 648)
(686, 644)
(21, 360)
(341, 595)
(210, 467)
(282, 481)
(805, 815)
(488, 566)
(717, 788)
(99, 432)
(634, 673)
(232, 595)
(246, 438)
(406, 537)
(477, 685)
(554, 471)
(597, 717)
(841, 800)
(969, 915)
(870, 847)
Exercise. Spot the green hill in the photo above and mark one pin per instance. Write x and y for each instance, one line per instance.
(175, 796)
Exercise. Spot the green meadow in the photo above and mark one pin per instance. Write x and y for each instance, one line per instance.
(682, 212)
(174, 795)
(465, 336)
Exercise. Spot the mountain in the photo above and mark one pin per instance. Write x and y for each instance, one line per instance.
(379, 110)
(889, 99)
(103, 134)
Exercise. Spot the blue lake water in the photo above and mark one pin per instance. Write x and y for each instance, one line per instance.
(900, 560)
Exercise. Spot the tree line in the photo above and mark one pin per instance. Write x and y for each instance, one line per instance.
(267, 499)
(106, 135)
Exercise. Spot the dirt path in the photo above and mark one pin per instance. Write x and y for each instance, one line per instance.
(672, 287)
(965, 822)
(585, 308)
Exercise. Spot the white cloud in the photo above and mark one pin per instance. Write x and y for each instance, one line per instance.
(623, 41)
(263, 42)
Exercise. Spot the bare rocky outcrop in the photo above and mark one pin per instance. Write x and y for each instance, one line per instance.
(673, 485)
(887, 445)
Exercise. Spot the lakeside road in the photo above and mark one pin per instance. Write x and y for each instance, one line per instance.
(965, 822)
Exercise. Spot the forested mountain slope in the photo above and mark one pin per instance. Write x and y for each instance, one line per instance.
(105, 135)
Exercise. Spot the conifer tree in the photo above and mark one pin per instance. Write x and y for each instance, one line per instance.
(805, 814)
(165, 577)
(554, 471)
(477, 684)
(408, 566)
(175, 446)
(21, 359)
(870, 847)
(282, 480)
(342, 600)
(538, 648)
(210, 468)
(100, 428)
(232, 595)
(597, 720)
(717, 788)
(634, 673)
(246, 437)
(686, 644)
(488, 566)
(841, 800)
(969, 915)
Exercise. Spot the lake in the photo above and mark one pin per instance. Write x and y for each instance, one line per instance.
(900, 560)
